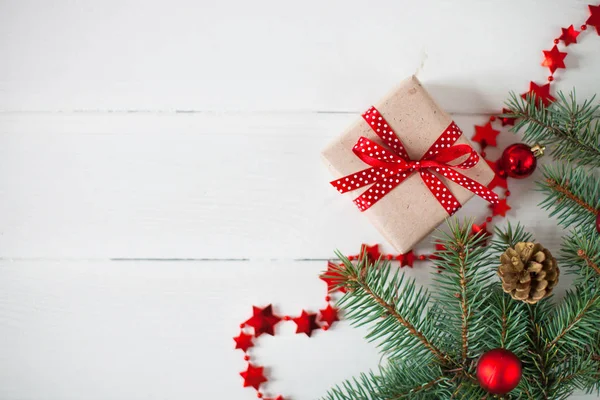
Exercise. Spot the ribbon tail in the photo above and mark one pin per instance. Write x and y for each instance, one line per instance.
(382, 187)
(357, 180)
(441, 192)
(469, 184)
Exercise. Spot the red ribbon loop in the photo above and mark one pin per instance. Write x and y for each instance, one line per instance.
(390, 166)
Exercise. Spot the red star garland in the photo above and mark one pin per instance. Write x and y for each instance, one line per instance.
(554, 59)
(498, 180)
(485, 135)
(500, 208)
(407, 259)
(243, 341)
(569, 35)
(594, 19)
(328, 315)
(332, 277)
(253, 376)
(372, 252)
(263, 320)
(475, 229)
(306, 323)
(439, 247)
(541, 92)
(507, 120)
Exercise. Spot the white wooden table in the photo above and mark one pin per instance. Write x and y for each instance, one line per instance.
(160, 174)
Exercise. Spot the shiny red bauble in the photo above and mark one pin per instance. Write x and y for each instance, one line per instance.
(499, 371)
(518, 161)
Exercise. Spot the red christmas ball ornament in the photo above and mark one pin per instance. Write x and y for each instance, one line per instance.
(499, 371)
(519, 160)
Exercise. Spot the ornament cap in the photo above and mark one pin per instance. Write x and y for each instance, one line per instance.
(538, 150)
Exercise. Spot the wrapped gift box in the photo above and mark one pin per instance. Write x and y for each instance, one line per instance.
(409, 211)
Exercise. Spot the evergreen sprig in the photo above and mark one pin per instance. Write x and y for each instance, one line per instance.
(572, 195)
(509, 323)
(580, 253)
(392, 382)
(394, 304)
(537, 368)
(508, 237)
(463, 293)
(432, 343)
(571, 130)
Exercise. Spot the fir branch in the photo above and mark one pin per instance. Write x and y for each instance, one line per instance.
(375, 294)
(391, 311)
(463, 302)
(572, 130)
(418, 388)
(573, 324)
(537, 360)
(509, 237)
(572, 194)
(508, 324)
(587, 258)
(569, 195)
(580, 371)
(433, 347)
(460, 296)
(398, 380)
(581, 254)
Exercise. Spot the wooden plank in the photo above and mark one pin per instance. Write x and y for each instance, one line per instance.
(189, 186)
(268, 55)
(163, 330)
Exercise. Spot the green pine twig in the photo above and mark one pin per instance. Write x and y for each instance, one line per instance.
(571, 130)
(581, 254)
(572, 194)
(393, 303)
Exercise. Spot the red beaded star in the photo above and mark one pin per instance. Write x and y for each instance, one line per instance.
(569, 35)
(507, 120)
(280, 397)
(485, 135)
(332, 277)
(243, 341)
(498, 180)
(541, 92)
(594, 19)
(475, 229)
(306, 323)
(500, 208)
(263, 320)
(406, 259)
(554, 59)
(438, 248)
(253, 376)
(329, 315)
(372, 252)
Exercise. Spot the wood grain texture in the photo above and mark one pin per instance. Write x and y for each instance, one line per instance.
(190, 186)
(269, 55)
(160, 174)
(162, 330)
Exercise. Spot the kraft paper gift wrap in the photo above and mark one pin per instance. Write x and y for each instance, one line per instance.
(410, 211)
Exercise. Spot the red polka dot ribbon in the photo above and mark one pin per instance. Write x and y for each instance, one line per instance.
(391, 166)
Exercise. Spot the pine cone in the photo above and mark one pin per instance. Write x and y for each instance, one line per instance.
(528, 272)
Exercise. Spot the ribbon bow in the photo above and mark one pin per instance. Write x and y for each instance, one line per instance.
(391, 166)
